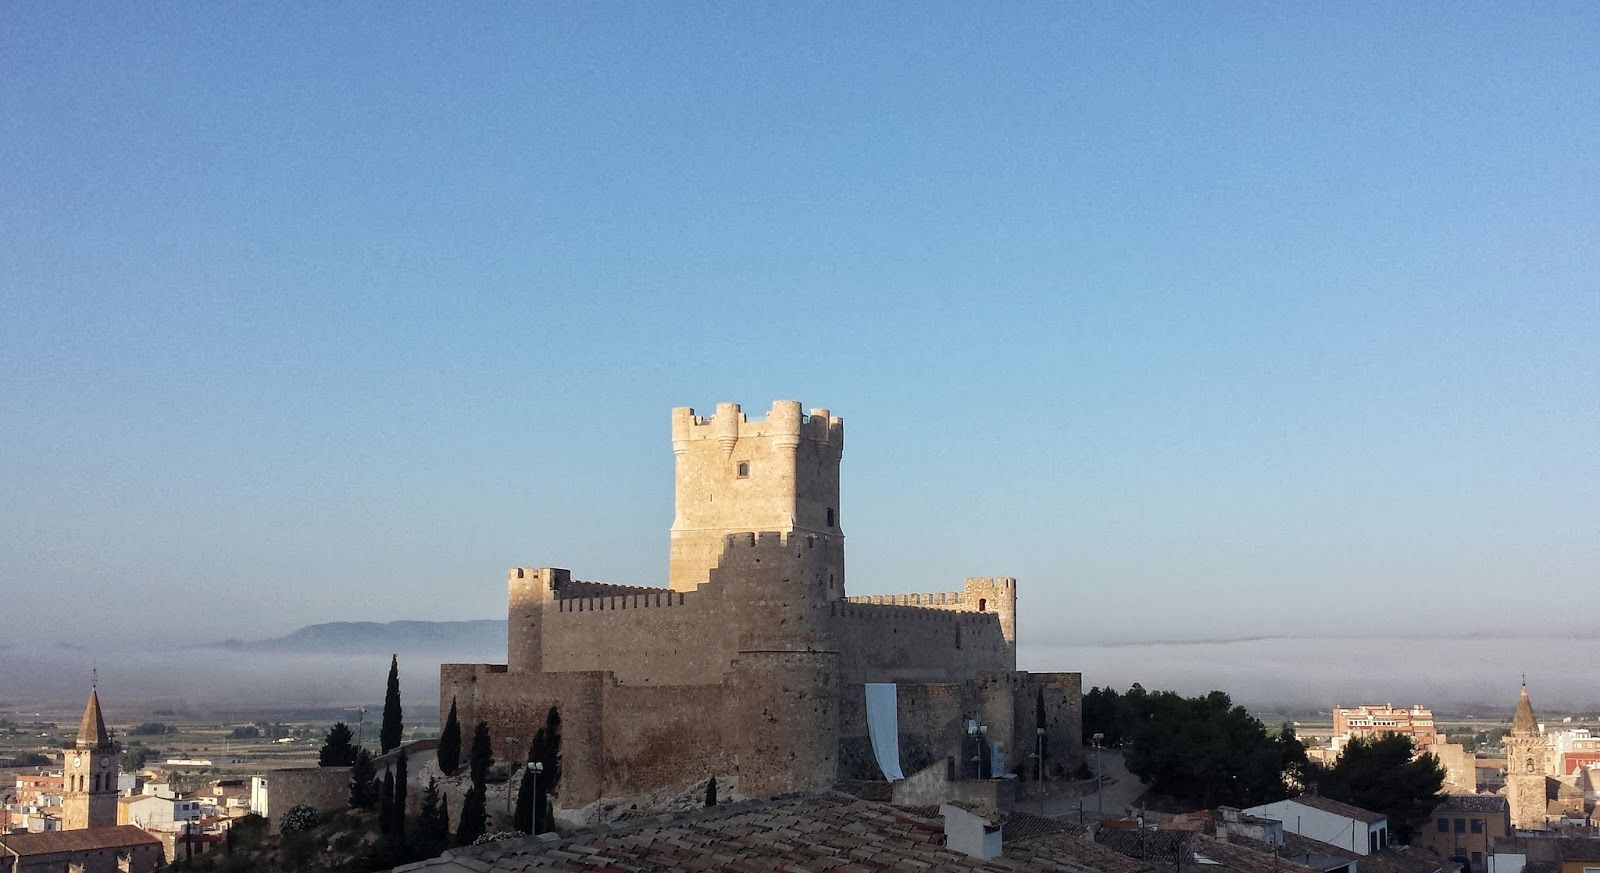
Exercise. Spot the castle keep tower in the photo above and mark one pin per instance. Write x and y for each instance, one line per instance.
(735, 475)
(89, 768)
(1525, 767)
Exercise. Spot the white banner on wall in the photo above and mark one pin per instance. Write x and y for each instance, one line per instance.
(883, 724)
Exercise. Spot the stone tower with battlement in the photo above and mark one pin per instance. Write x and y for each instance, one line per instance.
(751, 665)
(1525, 767)
(89, 773)
(735, 475)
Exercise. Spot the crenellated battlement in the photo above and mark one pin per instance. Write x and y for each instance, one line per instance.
(585, 588)
(854, 608)
(938, 599)
(656, 598)
(785, 424)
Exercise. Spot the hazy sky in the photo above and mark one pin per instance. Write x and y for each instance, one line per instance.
(1199, 319)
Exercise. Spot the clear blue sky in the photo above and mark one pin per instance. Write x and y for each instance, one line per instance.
(1200, 319)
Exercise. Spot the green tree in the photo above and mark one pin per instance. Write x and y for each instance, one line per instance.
(363, 781)
(527, 798)
(386, 803)
(1041, 744)
(1204, 750)
(450, 743)
(393, 729)
(339, 749)
(474, 816)
(481, 758)
(401, 775)
(433, 822)
(1386, 775)
(711, 791)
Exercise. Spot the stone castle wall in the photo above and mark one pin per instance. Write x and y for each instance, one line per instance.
(751, 665)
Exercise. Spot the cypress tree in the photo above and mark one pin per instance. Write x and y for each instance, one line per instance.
(389, 735)
(386, 804)
(1040, 721)
(444, 818)
(449, 743)
(433, 823)
(481, 758)
(711, 791)
(524, 820)
(401, 766)
(474, 816)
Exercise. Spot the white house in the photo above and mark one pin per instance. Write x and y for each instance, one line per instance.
(1328, 821)
(156, 813)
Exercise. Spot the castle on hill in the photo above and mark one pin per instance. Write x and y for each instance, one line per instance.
(752, 664)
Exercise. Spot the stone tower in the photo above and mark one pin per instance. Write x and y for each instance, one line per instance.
(734, 475)
(1525, 767)
(89, 770)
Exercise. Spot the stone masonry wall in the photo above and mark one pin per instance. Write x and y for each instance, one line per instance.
(660, 638)
(917, 644)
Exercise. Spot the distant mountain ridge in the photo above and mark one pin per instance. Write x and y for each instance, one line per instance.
(487, 635)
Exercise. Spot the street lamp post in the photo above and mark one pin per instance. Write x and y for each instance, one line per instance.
(1099, 786)
(536, 768)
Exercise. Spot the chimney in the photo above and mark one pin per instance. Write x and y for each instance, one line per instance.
(970, 830)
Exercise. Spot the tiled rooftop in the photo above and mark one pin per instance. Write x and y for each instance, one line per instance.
(796, 834)
(1472, 803)
(1337, 808)
(81, 840)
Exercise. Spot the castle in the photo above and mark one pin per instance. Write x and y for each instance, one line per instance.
(751, 664)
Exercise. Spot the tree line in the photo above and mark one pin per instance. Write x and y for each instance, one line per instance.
(1204, 751)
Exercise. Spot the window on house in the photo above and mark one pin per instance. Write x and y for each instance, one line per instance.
(1477, 859)
(1444, 825)
(744, 469)
(830, 516)
(1477, 825)
(1461, 825)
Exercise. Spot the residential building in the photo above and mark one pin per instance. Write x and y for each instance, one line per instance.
(1347, 827)
(1369, 720)
(1467, 825)
(156, 813)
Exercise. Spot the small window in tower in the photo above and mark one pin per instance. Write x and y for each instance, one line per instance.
(983, 604)
(744, 469)
(830, 516)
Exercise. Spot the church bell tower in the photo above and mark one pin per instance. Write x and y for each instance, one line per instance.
(89, 771)
(1525, 767)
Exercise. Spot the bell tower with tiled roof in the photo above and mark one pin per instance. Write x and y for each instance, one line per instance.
(1525, 766)
(89, 773)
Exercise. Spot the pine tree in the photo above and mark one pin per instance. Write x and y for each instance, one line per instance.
(363, 781)
(474, 816)
(390, 734)
(449, 743)
(711, 791)
(401, 766)
(386, 804)
(338, 749)
(481, 757)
